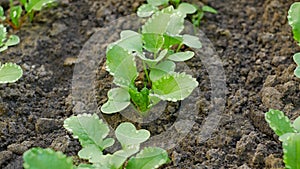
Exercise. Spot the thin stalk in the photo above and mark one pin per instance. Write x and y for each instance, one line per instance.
(179, 47)
(146, 71)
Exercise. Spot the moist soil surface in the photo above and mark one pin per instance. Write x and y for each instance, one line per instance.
(252, 39)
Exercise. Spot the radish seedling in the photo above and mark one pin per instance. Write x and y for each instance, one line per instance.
(158, 46)
(92, 134)
(289, 135)
(294, 21)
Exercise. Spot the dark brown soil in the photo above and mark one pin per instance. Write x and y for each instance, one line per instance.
(252, 39)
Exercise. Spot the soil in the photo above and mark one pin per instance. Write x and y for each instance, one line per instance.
(252, 39)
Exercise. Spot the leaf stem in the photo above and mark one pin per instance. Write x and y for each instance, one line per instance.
(146, 71)
(179, 47)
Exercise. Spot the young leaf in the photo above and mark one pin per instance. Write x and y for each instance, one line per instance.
(146, 10)
(171, 40)
(157, 24)
(206, 8)
(2, 14)
(38, 158)
(3, 34)
(187, 8)
(10, 72)
(140, 99)
(279, 122)
(90, 152)
(181, 56)
(89, 130)
(120, 63)
(176, 23)
(174, 86)
(294, 20)
(161, 69)
(296, 124)
(291, 149)
(191, 41)
(152, 62)
(296, 58)
(119, 157)
(118, 100)
(15, 14)
(37, 5)
(12, 40)
(127, 135)
(148, 158)
(153, 42)
(131, 41)
(157, 2)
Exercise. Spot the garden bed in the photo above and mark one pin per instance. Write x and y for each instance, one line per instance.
(252, 39)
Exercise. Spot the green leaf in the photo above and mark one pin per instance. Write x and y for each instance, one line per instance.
(296, 124)
(153, 42)
(90, 152)
(209, 9)
(38, 158)
(148, 158)
(2, 14)
(152, 62)
(119, 157)
(157, 24)
(127, 135)
(12, 40)
(146, 10)
(157, 2)
(3, 34)
(279, 122)
(10, 72)
(187, 8)
(296, 58)
(15, 14)
(174, 86)
(130, 41)
(90, 130)
(37, 5)
(118, 100)
(161, 69)
(191, 41)
(120, 63)
(181, 56)
(140, 99)
(294, 20)
(291, 149)
(176, 23)
(171, 40)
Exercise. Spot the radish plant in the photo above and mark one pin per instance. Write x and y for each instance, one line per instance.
(197, 13)
(158, 45)
(294, 21)
(92, 134)
(16, 13)
(289, 135)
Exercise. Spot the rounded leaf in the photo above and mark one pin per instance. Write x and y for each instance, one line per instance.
(294, 20)
(181, 56)
(118, 100)
(148, 158)
(10, 72)
(38, 158)
(191, 41)
(146, 10)
(127, 134)
(187, 8)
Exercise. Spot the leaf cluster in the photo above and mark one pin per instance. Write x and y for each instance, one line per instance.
(23, 10)
(92, 134)
(294, 21)
(159, 46)
(289, 135)
(197, 13)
